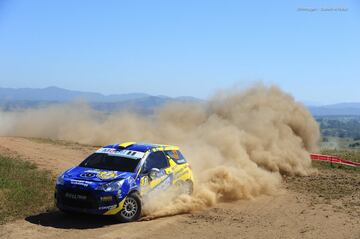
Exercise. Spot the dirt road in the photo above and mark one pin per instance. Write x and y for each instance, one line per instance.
(55, 156)
(299, 211)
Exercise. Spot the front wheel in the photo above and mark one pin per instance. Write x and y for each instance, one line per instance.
(131, 209)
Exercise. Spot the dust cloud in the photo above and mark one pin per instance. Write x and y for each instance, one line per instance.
(238, 143)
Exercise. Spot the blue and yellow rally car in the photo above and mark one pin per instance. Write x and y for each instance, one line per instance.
(115, 179)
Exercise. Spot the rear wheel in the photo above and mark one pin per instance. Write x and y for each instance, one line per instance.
(131, 209)
(186, 187)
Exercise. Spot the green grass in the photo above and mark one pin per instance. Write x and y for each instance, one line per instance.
(326, 165)
(24, 189)
(352, 155)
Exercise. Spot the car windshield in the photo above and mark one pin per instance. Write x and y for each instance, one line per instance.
(110, 162)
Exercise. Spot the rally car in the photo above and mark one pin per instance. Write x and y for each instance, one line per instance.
(115, 179)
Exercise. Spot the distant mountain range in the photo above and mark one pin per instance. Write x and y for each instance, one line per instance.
(340, 109)
(23, 98)
(62, 95)
(11, 98)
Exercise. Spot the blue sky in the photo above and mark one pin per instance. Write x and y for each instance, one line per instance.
(182, 47)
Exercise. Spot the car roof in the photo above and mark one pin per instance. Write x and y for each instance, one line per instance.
(141, 147)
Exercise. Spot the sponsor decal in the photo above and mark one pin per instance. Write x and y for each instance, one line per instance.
(107, 175)
(179, 172)
(106, 150)
(108, 207)
(92, 171)
(79, 182)
(182, 174)
(122, 153)
(87, 175)
(75, 196)
(130, 154)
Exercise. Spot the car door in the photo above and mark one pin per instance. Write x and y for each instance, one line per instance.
(162, 179)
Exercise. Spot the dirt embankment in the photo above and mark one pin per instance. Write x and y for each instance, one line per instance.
(319, 206)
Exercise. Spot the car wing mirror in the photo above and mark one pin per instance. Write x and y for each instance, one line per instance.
(153, 173)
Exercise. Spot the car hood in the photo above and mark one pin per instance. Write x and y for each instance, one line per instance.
(95, 175)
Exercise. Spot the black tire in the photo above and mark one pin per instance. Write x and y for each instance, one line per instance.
(131, 209)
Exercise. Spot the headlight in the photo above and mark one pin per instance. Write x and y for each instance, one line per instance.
(111, 187)
(60, 180)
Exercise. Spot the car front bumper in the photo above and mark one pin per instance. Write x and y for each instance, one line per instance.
(87, 201)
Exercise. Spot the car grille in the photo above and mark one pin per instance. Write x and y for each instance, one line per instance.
(80, 198)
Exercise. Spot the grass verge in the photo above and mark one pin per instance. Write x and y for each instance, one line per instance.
(24, 189)
(352, 155)
(328, 165)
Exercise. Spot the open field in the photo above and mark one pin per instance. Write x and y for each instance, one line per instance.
(325, 205)
(20, 183)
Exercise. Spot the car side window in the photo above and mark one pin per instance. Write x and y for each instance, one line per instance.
(176, 155)
(155, 160)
